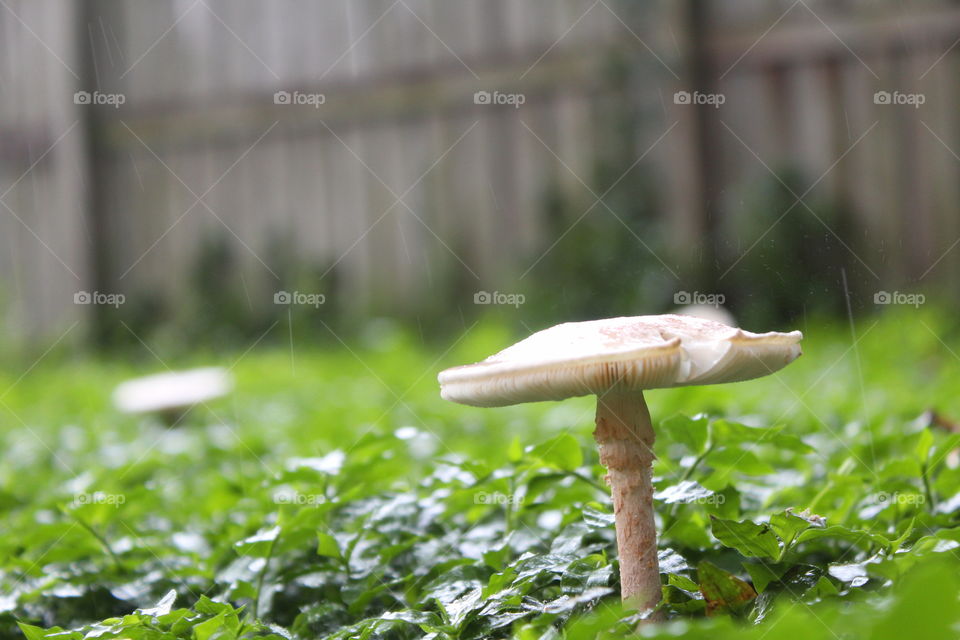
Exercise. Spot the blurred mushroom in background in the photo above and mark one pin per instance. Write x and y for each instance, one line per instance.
(169, 396)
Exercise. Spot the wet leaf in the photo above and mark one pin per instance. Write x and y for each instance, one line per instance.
(788, 526)
(722, 591)
(683, 493)
(751, 539)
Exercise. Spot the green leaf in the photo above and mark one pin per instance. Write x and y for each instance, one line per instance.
(732, 459)
(243, 589)
(562, 452)
(726, 503)
(750, 539)
(727, 432)
(595, 518)
(862, 539)
(684, 493)
(327, 546)
(498, 582)
(496, 558)
(682, 582)
(671, 562)
(903, 537)
(210, 607)
(924, 445)
(692, 432)
(259, 544)
(762, 574)
(822, 589)
(683, 600)
(788, 526)
(926, 606)
(38, 633)
(413, 617)
(214, 627)
(942, 450)
(723, 592)
(515, 450)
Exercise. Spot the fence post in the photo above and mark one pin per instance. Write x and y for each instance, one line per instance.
(95, 203)
(702, 76)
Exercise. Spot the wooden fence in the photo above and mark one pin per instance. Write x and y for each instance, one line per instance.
(390, 169)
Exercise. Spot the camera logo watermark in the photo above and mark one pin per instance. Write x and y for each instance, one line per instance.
(112, 99)
(497, 297)
(896, 97)
(495, 497)
(511, 99)
(299, 98)
(97, 298)
(898, 297)
(686, 97)
(696, 297)
(99, 497)
(299, 297)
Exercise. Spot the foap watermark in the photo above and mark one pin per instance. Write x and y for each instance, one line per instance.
(901, 498)
(697, 297)
(896, 97)
(495, 497)
(497, 97)
(99, 298)
(99, 497)
(97, 97)
(299, 98)
(299, 297)
(898, 297)
(498, 297)
(300, 499)
(697, 97)
(689, 492)
(715, 499)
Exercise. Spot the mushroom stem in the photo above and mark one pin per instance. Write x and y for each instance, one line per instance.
(625, 436)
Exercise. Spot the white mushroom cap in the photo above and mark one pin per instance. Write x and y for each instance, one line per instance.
(642, 352)
(708, 312)
(170, 391)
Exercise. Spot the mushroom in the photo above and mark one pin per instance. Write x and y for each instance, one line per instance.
(617, 359)
(171, 395)
(708, 312)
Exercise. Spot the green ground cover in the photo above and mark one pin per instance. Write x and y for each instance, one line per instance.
(334, 494)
